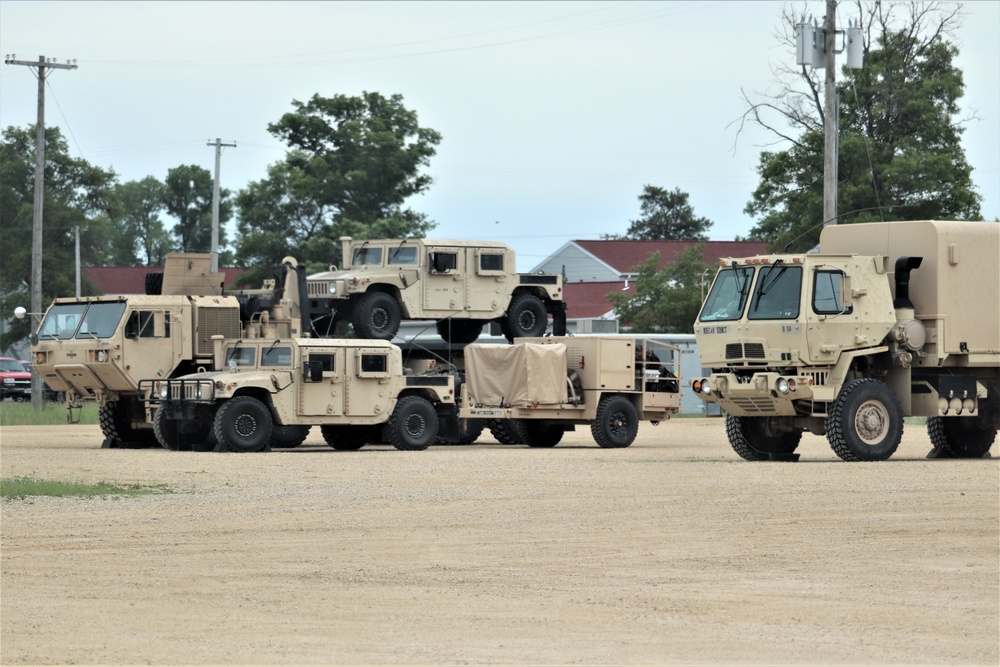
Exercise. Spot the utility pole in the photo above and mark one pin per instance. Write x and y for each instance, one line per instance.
(830, 129)
(215, 201)
(817, 47)
(36, 231)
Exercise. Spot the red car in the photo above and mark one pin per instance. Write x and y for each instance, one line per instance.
(15, 381)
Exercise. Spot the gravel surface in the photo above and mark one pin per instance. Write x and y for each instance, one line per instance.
(671, 551)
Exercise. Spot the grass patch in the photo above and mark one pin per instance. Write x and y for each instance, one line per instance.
(19, 488)
(51, 414)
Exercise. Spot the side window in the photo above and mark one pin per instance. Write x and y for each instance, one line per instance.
(442, 262)
(373, 364)
(328, 361)
(240, 357)
(827, 293)
(490, 263)
(277, 356)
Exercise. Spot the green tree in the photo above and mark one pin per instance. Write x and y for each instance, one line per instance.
(139, 236)
(666, 216)
(664, 300)
(900, 155)
(189, 200)
(77, 194)
(352, 164)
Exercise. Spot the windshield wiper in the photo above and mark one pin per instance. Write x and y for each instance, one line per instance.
(767, 283)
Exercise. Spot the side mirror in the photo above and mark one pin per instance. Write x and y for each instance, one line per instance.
(20, 312)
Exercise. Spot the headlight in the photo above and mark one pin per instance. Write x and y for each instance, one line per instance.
(164, 391)
(722, 385)
(332, 288)
(782, 385)
(102, 356)
(706, 388)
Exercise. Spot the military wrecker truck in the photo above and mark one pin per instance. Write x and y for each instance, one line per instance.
(357, 391)
(535, 390)
(889, 320)
(98, 348)
(463, 285)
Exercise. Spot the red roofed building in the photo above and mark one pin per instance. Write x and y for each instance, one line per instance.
(132, 279)
(592, 269)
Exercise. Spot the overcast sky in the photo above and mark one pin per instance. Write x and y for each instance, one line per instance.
(553, 114)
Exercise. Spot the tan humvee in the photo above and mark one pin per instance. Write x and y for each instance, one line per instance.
(356, 390)
(99, 348)
(538, 388)
(890, 320)
(461, 284)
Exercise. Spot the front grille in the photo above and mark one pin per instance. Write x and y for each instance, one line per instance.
(741, 351)
(318, 289)
(754, 405)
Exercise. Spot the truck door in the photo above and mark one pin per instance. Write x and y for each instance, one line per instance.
(321, 385)
(444, 285)
(488, 276)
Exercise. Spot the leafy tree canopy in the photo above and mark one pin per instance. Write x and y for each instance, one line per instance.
(666, 216)
(188, 198)
(900, 155)
(77, 194)
(351, 165)
(667, 300)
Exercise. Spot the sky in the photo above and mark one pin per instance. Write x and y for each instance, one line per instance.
(554, 115)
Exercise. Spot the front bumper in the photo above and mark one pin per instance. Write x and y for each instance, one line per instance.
(763, 394)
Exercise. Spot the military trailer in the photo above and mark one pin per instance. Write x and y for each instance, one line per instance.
(463, 285)
(98, 348)
(889, 320)
(356, 391)
(535, 390)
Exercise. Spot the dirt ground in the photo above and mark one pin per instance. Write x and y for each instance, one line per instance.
(671, 551)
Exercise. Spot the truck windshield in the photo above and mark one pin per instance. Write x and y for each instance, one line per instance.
(365, 256)
(93, 320)
(728, 295)
(777, 294)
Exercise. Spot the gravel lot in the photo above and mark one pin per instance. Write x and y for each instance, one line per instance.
(671, 551)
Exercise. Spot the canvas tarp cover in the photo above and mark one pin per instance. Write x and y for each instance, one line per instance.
(516, 375)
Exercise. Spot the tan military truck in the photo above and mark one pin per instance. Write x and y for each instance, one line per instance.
(356, 391)
(889, 320)
(99, 348)
(461, 284)
(538, 388)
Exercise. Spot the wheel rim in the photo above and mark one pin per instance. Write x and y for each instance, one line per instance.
(245, 425)
(415, 426)
(526, 320)
(618, 424)
(871, 422)
(379, 318)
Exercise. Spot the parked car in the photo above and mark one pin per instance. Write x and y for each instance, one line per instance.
(15, 381)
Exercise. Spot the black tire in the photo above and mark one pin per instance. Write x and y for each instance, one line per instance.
(413, 425)
(749, 439)
(865, 422)
(154, 283)
(376, 315)
(115, 418)
(243, 424)
(459, 332)
(288, 437)
(616, 423)
(168, 435)
(526, 316)
(346, 438)
(469, 431)
(961, 437)
(541, 433)
(506, 431)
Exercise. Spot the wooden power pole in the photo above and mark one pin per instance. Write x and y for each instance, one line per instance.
(42, 65)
